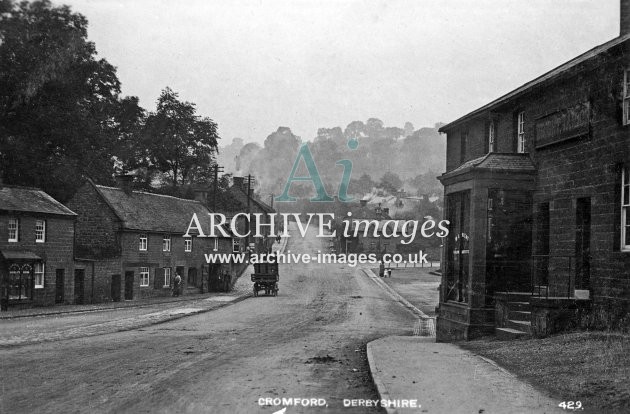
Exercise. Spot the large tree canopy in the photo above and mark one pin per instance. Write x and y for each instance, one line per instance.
(61, 117)
(181, 145)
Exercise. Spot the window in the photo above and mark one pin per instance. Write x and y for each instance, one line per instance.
(625, 209)
(491, 137)
(144, 276)
(167, 276)
(520, 138)
(13, 230)
(626, 97)
(236, 245)
(20, 282)
(39, 275)
(143, 242)
(188, 244)
(40, 231)
(463, 143)
(166, 244)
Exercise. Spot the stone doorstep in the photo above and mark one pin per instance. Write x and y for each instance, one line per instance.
(519, 306)
(509, 334)
(523, 326)
(519, 315)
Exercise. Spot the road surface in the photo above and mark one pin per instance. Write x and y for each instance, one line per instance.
(309, 342)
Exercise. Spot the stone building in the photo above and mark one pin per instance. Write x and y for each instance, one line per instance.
(135, 241)
(36, 250)
(537, 188)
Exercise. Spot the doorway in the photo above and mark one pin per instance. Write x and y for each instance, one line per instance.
(59, 285)
(192, 277)
(115, 288)
(79, 286)
(583, 243)
(129, 285)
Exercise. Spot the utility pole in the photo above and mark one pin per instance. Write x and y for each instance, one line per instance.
(250, 179)
(217, 168)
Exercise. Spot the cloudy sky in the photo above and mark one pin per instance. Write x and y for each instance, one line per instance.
(254, 65)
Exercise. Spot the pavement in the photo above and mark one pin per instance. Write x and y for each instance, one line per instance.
(240, 290)
(28, 326)
(417, 374)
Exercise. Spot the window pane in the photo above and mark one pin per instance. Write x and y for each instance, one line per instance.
(627, 240)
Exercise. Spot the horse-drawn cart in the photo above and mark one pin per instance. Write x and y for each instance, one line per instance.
(265, 277)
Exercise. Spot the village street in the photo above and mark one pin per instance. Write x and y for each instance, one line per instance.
(309, 342)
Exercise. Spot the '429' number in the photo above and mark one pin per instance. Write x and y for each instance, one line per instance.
(571, 405)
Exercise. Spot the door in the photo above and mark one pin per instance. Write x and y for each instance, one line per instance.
(59, 285)
(583, 243)
(457, 250)
(79, 286)
(115, 288)
(192, 277)
(129, 285)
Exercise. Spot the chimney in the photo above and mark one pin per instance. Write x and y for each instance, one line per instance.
(238, 182)
(363, 203)
(125, 182)
(386, 211)
(201, 194)
(624, 17)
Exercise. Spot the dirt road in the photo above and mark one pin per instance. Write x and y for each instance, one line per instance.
(309, 342)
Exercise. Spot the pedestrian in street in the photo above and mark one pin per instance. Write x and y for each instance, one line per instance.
(227, 281)
(381, 269)
(177, 284)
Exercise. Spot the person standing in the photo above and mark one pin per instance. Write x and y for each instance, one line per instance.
(177, 284)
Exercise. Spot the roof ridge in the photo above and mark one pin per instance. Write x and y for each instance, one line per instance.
(21, 187)
(147, 193)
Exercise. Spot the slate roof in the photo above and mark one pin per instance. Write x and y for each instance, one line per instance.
(241, 196)
(541, 79)
(31, 200)
(496, 161)
(153, 212)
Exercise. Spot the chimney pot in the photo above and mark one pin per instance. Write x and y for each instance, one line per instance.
(201, 194)
(624, 17)
(125, 182)
(238, 182)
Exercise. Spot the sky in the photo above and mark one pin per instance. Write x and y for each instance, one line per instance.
(254, 65)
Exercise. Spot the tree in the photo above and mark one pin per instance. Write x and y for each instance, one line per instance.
(59, 105)
(362, 185)
(181, 144)
(391, 182)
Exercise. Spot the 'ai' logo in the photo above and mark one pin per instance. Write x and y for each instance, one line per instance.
(313, 175)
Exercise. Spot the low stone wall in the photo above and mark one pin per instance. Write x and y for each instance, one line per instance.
(555, 315)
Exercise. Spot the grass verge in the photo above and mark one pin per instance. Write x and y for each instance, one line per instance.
(590, 367)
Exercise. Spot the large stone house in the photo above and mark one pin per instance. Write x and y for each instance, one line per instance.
(135, 241)
(36, 250)
(537, 190)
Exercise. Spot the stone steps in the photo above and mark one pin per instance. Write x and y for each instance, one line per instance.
(518, 325)
(509, 334)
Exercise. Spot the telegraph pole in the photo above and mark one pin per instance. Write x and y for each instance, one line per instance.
(250, 179)
(217, 168)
